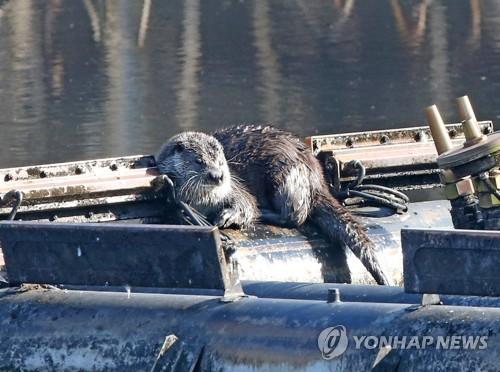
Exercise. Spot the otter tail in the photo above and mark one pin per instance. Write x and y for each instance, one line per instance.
(338, 223)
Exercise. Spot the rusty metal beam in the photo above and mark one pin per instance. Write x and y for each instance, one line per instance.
(413, 135)
(90, 191)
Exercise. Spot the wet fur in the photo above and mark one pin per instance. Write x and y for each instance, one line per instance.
(280, 172)
(288, 182)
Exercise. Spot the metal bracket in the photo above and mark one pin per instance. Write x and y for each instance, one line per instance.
(116, 255)
(463, 262)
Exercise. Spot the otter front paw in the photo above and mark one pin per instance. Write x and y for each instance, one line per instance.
(231, 217)
(162, 182)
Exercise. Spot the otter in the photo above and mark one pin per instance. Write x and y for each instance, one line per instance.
(282, 184)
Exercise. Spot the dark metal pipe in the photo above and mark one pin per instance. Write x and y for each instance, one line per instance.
(355, 293)
(314, 292)
(56, 329)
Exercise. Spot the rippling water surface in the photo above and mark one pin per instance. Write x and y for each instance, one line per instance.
(93, 78)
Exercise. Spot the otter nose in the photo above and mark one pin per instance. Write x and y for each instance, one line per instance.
(215, 175)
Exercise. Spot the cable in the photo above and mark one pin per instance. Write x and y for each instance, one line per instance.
(370, 194)
(12, 195)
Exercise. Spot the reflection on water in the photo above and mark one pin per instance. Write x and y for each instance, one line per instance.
(92, 78)
(190, 55)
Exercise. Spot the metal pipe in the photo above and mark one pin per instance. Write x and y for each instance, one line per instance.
(439, 132)
(310, 292)
(55, 329)
(355, 293)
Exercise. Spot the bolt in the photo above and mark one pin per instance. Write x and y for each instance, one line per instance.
(78, 170)
(54, 217)
(43, 174)
(384, 139)
(333, 295)
(113, 167)
(420, 136)
(90, 214)
(349, 142)
(486, 130)
(452, 133)
(8, 177)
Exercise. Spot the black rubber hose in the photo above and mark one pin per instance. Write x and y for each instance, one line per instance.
(384, 189)
(380, 200)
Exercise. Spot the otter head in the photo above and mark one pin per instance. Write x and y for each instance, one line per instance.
(198, 166)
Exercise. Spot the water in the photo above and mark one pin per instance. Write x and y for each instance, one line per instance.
(92, 78)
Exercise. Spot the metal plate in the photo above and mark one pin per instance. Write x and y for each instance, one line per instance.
(111, 254)
(463, 262)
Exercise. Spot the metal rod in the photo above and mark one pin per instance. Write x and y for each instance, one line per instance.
(471, 128)
(465, 108)
(439, 132)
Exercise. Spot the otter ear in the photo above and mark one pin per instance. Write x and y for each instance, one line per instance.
(178, 147)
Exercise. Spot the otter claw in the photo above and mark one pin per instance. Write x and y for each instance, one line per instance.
(228, 217)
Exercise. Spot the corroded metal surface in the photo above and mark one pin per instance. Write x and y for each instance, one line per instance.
(336, 142)
(58, 330)
(86, 167)
(86, 191)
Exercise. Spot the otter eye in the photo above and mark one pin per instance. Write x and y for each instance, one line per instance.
(198, 160)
